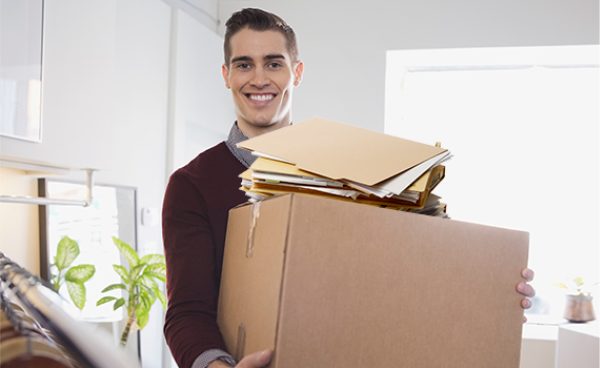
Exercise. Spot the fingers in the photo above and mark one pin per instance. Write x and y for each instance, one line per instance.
(528, 274)
(526, 289)
(256, 360)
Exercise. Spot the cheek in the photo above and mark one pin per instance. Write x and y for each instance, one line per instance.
(237, 81)
(285, 81)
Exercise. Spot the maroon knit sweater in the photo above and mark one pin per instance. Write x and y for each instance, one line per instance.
(194, 220)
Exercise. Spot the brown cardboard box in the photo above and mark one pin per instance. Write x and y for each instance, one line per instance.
(328, 283)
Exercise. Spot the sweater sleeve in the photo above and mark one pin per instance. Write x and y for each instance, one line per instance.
(192, 285)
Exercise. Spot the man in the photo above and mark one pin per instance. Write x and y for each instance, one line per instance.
(261, 69)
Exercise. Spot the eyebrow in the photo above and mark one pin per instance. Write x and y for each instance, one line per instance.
(240, 58)
(274, 56)
(248, 58)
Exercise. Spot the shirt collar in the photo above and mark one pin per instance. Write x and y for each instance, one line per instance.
(236, 136)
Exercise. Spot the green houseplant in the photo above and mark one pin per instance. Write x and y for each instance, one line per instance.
(139, 286)
(74, 277)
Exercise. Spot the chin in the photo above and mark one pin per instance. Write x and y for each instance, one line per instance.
(263, 123)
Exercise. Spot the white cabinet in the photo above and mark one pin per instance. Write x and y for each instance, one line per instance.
(538, 346)
(578, 346)
(565, 345)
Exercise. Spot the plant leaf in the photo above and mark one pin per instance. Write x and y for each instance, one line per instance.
(156, 268)
(119, 303)
(147, 289)
(77, 293)
(55, 280)
(142, 316)
(80, 273)
(114, 286)
(122, 271)
(161, 297)
(153, 259)
(147, 299)
(105, 299)
(579, 281)
(127, 251)
(148, 281)
(135, 271)
(158, 276)
(67, 251)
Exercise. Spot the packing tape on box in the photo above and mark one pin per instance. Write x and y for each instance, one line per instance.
(241, 342)
(253, 221)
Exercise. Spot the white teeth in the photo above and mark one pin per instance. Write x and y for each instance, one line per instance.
(261, 97)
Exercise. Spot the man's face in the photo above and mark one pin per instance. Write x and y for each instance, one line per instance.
(261, 77)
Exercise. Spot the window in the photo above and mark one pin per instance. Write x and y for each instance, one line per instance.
(111, 213)
(522, 124)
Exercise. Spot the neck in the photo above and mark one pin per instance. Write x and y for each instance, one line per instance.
(250, 130)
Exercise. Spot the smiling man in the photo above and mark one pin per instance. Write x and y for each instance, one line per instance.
(261, 69)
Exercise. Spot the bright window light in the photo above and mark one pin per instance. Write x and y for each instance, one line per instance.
(522, 123)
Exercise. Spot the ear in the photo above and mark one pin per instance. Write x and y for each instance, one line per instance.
(225, 73)
(298, 71)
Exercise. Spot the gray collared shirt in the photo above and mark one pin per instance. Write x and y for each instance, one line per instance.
(236, 136)
(209, 356)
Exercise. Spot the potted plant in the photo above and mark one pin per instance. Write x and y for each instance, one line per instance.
(74, 277)
(139, 286)
(579, 307)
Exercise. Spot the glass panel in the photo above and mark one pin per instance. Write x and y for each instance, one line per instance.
(21, 68)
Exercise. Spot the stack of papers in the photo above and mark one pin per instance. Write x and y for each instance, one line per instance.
(327, 158)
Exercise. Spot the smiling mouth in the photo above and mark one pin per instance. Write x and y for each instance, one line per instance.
(260, 97)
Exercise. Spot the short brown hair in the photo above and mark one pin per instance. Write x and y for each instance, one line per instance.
(258, 20)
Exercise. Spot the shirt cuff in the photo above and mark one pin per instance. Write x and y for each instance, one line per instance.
(209, 356)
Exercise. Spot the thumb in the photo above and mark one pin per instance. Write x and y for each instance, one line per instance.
(256, 360)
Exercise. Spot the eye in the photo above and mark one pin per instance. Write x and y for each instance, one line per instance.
(274, 65)
(243, 66)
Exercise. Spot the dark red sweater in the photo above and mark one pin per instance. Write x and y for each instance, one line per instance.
(194, 220)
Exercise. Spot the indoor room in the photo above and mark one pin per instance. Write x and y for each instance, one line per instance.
(103, 102)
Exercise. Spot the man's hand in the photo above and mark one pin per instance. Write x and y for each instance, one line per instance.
(255, 360)
(526, 290)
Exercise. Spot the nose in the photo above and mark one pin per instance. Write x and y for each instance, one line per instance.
(259, 78)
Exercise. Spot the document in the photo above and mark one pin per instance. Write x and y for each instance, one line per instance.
(342, 152)
(359, 165)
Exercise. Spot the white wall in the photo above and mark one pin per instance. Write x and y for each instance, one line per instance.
(343, 43)
(105, 94)
(19, 240)
(205, 12)
(202, 110)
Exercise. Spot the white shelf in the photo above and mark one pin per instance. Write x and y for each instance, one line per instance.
(41, 169)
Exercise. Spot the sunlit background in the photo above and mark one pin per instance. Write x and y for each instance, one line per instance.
(522, 124)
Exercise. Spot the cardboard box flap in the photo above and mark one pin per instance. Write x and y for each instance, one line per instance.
(249, 297)
(339, 151)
